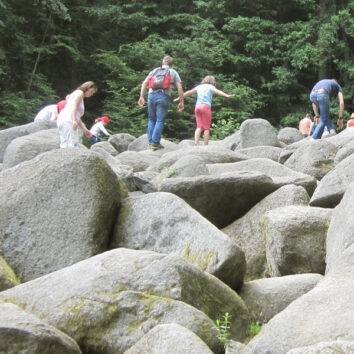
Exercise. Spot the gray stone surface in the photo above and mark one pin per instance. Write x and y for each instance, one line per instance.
(167, 339)
(221, 198)
(246, 232)
(109, 301)
(257, 132)
(164, 223)
(21, 332)
(289, 135)
(295, 239)
(7, 135)
(55, 210)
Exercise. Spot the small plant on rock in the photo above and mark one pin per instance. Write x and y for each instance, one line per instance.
(223, 327)
(254, 329)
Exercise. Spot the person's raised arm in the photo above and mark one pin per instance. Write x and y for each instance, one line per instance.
(341, 109)
(222, 93)
(141, 100)
(186, 94)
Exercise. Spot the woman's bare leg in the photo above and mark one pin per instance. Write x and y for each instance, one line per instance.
(206, 136)
(197, 133)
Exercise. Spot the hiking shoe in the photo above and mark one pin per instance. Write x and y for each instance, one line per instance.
(156, 146)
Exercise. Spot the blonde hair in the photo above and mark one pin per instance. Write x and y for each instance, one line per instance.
(209, 80)
(87, 85)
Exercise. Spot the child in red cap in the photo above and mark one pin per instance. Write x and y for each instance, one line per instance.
(99, 128)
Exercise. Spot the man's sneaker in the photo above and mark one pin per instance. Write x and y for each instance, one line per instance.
(155, 146)
(332, 132)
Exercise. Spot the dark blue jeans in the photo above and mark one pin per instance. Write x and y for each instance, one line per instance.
(321, 100)
(158, 104)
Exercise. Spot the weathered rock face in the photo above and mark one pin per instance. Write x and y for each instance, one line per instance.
(280, 174)
(167, 339)
(106, 146)
(337, 346)
(257, 132)
(289, 135)
(121, 141)
(246, 232)
(332, 187)
(164, 223)
(8, 278)
(7, 135)
(221, 199)
(295, 239)
(269, 296)
(28, 146)
(315, 158)
(56, 210)
(21, 332)
(108, 302)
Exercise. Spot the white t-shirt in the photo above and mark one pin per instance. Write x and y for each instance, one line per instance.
(97, 128)
(66, 114)
(49, 112)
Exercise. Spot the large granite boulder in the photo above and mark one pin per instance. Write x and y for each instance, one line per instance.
(295, 239)
(28, 146)
(314, 158)
(56, 210)
(331, 188)
(110, 301)
(280, 174)
(257, 132)
(7, 135)
(268, 296)
(221, 198)
(289, 135)
(121, 141)
(246, 231)
(164, 223)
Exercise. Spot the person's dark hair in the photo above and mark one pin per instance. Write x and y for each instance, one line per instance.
(87, 85)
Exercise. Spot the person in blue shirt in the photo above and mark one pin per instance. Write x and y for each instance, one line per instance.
(202, 111)
(320, 97)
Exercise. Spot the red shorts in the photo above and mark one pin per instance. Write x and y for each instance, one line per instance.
(203, 116)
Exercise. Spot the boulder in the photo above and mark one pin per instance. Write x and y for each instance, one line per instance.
(280, 174)
(7, 135)
(106, 146)
(232, 141)
(289, 135)
(246, 232)
(143, 181)
(314, 158)
(257, 132)
(266, 152)
(22, 332)
(209, 154)
(221, 198)
(141, 143)
(138, 161)
(164, 223)
(167, 339)
(63, 213)
(121, 141)
(109, 301)
(331, 188)
(267, 297)
(344, 152)
(295, 239)
(28, 146)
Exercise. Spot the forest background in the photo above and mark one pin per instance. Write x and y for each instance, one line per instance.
(269, 53)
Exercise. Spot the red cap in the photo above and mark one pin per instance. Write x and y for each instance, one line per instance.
(104, 119)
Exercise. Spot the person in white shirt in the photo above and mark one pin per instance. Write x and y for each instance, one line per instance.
(69, 118)
(49, 112)
(98, 129)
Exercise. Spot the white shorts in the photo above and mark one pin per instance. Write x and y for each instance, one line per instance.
(68, 136)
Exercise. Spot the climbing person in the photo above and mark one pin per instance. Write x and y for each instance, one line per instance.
(160, 81)
(305, 125)
(202, 110)
(69, 118)
(320, 97)
(49, 112)
(98, 129)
